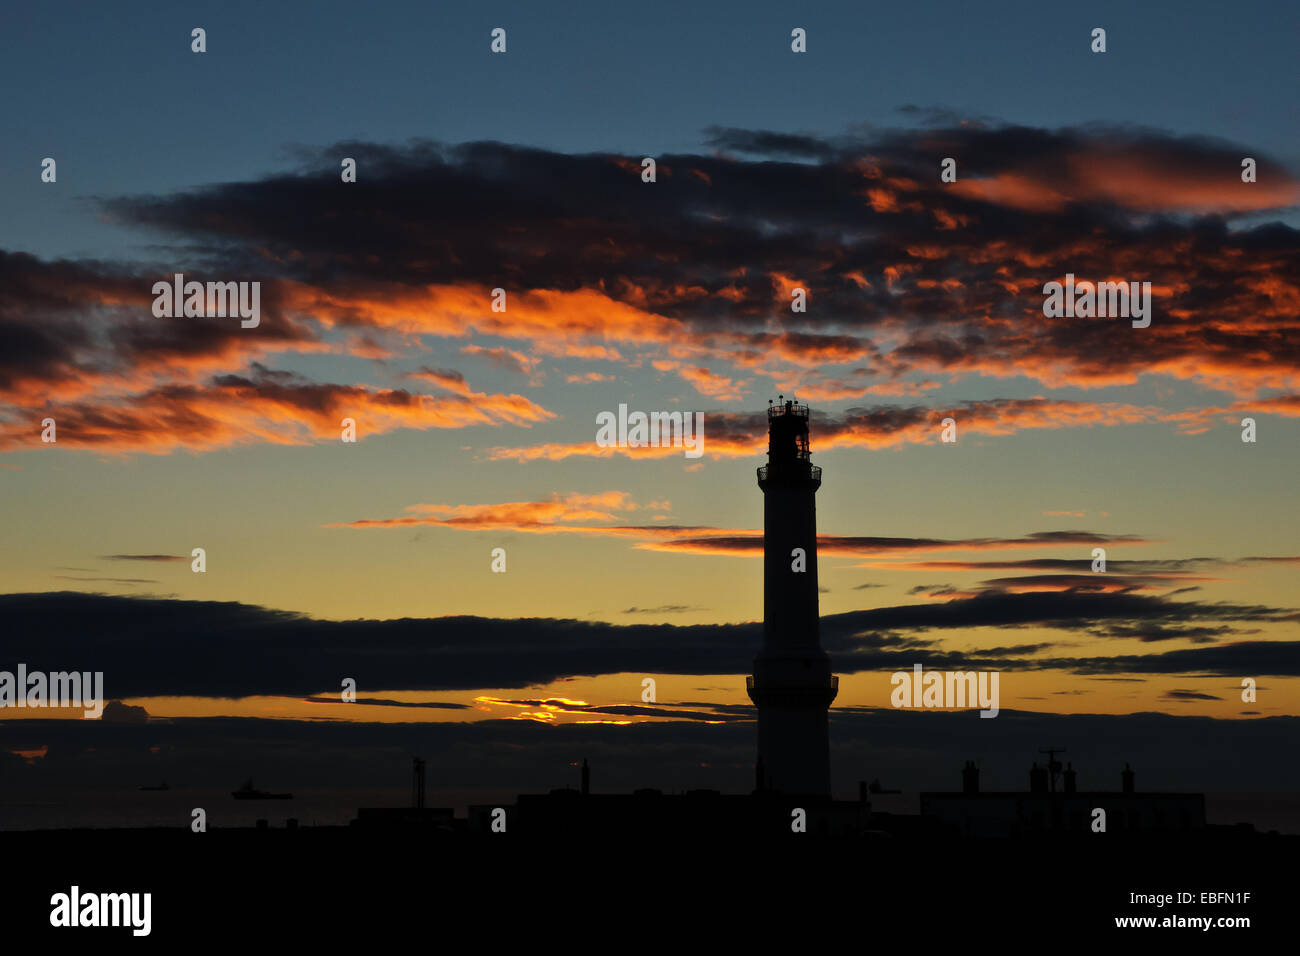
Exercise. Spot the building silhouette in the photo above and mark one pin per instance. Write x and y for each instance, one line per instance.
(792, 685)
(1043, 810)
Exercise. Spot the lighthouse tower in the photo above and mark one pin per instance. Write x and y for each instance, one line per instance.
(792, 686)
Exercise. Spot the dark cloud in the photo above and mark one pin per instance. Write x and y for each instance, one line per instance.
(1155, 631)
(759, 143)
(74, 577)
(1080, 582)
(385, 702)
(872, 544)
(661, 609)
(1188, 695)
(1114, 614)
(1082, 566)
(144, 557)
(1237, 659)
(1014, 649)
(153, 647)
(116, 712)
(863, 223)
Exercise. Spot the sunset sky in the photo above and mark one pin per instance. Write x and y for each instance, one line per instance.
(476, 429)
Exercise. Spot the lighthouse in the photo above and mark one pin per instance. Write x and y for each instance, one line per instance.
(792, 685)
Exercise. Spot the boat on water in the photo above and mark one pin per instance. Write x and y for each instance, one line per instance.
(249, 792)
(161, 786)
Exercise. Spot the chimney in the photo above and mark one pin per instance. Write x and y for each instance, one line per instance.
(970, 778)
(1128, 778)
(1071, 785)
(586, 777)
(1037, 779)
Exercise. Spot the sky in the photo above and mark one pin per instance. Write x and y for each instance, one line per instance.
(476, 429)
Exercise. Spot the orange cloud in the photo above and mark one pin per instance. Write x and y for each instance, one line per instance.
(1134, 180)
(559, 514)
(710, 383)
(728, 436)
(234, 411)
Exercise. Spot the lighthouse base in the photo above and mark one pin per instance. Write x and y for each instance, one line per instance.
(793, 698)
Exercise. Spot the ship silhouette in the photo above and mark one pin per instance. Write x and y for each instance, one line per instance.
(248, 792)
(161, 786)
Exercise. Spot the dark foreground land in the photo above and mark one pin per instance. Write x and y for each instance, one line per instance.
(323, 885)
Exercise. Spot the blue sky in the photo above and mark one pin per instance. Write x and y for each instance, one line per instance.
(115, 95)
